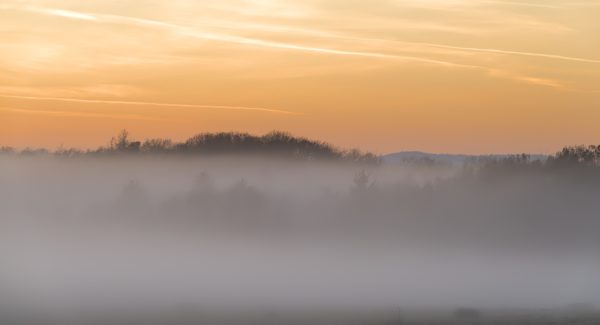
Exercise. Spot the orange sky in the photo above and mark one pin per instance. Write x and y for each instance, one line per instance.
(470, 76)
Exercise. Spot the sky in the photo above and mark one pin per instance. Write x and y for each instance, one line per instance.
(453, 76)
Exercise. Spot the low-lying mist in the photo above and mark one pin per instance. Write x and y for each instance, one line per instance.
(141, 232)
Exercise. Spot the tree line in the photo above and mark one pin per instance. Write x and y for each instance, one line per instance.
(285, 145)
(275, 143)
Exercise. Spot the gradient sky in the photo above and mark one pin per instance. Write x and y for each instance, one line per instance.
(470, 76)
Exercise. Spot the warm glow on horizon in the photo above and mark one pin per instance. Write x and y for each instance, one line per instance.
(476, 76)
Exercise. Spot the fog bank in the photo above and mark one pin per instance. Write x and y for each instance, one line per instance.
(129, 233)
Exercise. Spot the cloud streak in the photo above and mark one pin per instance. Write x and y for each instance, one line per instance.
(186, 31)
(230, 38)
(265, 43)
(138, 103)
(498, 51)
(470, 49)
(70, 14)
(523, 4)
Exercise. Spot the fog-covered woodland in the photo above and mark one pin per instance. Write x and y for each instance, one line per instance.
(240, 222)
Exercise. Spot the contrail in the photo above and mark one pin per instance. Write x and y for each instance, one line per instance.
(259, 42)
(93, 17)
(536, 54)
(138, 103)
(107, 18)
(523, 4)
(471, 49)
(68, 14)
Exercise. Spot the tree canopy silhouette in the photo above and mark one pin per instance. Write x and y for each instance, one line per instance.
(273, 144)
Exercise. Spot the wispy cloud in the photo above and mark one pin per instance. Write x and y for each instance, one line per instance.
(229, 38)
(137, 103)
(183, 30)
(543, 82)
(524, 4)
(70, 14)
(241, 40)
(556, 84)
(509, 52)
(466, 49)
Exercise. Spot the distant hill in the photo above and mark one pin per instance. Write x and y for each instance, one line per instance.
(275, 144)
(455, 159)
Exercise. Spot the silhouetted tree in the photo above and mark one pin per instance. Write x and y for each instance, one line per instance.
(276, 143)
(156, 145)
(122, 143)
(577, 155)
(33, 152)
(7, 150)
(361, 181)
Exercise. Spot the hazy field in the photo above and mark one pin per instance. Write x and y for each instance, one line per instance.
(235, 239)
